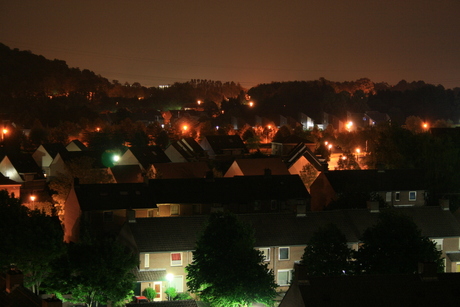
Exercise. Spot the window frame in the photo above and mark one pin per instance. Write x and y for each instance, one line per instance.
(288, 279)
(397, 196)
(288, 253)
(412, 193)
(171, 209)
(265, 253)
(176, 262)
(146, 260)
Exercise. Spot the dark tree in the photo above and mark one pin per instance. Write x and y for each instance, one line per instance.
(395, 245)
(95, 271)
(226, 269)
(327, 253)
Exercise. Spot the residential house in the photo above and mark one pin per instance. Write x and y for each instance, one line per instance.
(144, 157)
(165, 245)
(223, 146)
(45, 154)
(22, 169)
(284, 147)
(259, 166)
(109, 206)
(106, 207)
(98, 160)
(76, 145)
(392, 187)
(426, 288)
(240, 194)
(185, 150)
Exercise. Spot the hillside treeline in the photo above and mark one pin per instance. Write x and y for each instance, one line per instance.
(33, 87)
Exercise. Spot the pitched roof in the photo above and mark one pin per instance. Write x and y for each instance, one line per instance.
(54, 148)
(374, 290)
(25, 163)
(238, 189)
(113, 196)
(253, 167)
(180, 233)
(7, 181)
(149, 154)
(96, 156)
(377, 180)
(181, 170)
(219, 143)
(78, 144)
(149, 275)
(188, 148)
(127, 173)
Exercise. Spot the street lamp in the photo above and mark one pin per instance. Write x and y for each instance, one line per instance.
(169, 278)
(4, 131)
(357, 154)
(32, 198)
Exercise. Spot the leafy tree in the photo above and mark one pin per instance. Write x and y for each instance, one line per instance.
(327, 253)
(244, 279)
(94, 271)
(30, 239)
(395, 245)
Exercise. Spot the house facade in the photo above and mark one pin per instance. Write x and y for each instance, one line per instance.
(165, 245)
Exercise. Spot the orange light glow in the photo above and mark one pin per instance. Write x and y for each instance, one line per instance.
(199, 102)
(185, 128)
(32, 198)
(5, 131)
(251, 104)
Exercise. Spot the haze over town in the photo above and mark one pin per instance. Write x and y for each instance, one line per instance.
(162, 42)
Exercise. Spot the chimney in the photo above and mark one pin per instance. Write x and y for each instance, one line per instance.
(14, 279)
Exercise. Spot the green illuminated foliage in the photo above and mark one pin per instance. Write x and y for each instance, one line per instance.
(227, 270)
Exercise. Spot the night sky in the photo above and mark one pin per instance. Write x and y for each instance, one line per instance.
(165, 41)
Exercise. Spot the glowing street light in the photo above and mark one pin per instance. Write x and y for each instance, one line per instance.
(185, 128)
(198, 102)
(4, 132)
(251, 104)
(116, 158)
(348, 125)
(169, 278)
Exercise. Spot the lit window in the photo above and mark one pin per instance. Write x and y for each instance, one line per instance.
(412, 195)
(176, 259)
(266, 253)
(174, 209)
(397, 196)
(146, 260)
(283, 253)
(107, 216)
(284, 277)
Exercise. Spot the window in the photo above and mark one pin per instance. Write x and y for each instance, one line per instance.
(438, 243)
(146, 260)
(178, 283)
(266, 253)
(150, 213)
(284, 277)
(388, 196)
(412, 195)
(397, 196)
(257, 206)
(176, 259)
(283, 253)
(107, 216)
(174, 209)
